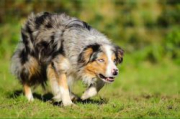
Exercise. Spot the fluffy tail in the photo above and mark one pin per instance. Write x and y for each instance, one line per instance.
(16, 61)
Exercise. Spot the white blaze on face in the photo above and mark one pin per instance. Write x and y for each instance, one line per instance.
(110, 63)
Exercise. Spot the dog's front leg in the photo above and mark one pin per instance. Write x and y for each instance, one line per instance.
(92, 90)
(28, 93)
(66, 100)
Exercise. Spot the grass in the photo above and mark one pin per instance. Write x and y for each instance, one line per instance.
(141, 90)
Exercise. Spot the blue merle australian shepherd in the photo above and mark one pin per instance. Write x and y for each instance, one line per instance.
(63, 49)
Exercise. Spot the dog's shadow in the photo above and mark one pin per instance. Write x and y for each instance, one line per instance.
(45, 97)
(48, 98)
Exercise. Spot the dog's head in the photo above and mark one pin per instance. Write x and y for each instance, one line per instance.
(101, 61)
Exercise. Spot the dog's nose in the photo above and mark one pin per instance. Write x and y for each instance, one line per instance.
(115, 72)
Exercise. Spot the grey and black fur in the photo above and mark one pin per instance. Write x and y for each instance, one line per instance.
(46, 38)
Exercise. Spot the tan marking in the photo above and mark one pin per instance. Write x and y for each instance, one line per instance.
(97, 67)
(62, 81)
(87, 54)
(119, 55)
(51, 73)
(33, 67)
(61, 78)
(27, 90)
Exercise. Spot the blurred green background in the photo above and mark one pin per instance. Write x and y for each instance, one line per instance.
(148, 30)
(149, 80)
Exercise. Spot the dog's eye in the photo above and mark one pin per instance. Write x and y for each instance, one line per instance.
(100, 60)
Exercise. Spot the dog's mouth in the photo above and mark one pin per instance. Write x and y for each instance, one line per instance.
(106, 79)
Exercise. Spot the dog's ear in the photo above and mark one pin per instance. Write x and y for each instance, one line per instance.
(89, 53)
(119, 52)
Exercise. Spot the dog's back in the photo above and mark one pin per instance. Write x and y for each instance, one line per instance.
(41, 34)
(46, 35)
(41, 41)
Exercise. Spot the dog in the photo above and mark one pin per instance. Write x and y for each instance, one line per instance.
(63, 49)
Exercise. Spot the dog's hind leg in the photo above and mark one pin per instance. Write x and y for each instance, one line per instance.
(62, 80)
(73, 96)
(92, 90)
(59, 85)
(52, 77)
(28, 92)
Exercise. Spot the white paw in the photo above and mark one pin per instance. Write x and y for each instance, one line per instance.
(84, 97)
(92, 91)
(67, 103)
(30, 98)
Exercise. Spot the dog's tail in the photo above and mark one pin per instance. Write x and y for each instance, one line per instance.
(16, 61)
(31, 28)
(25, 47)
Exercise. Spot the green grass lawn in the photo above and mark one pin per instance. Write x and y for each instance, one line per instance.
(141, 90)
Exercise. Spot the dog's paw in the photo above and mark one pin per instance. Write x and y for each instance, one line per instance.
(67, 103)
(84, 97)
(30, 98)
